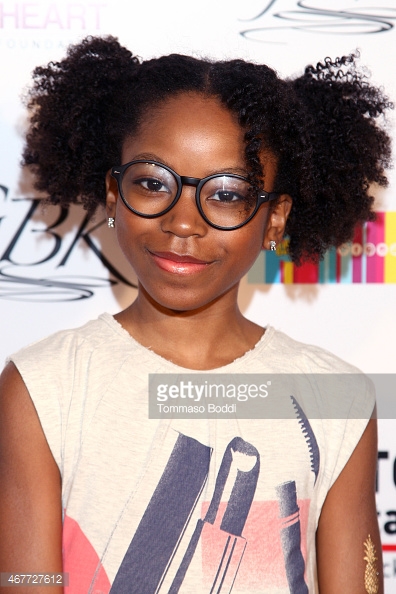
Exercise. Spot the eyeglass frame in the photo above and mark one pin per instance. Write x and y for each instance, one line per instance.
(117, 172)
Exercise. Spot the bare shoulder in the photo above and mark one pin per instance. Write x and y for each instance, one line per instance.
(348, 540)
(21, 432)
(14, 396)
(30, 494)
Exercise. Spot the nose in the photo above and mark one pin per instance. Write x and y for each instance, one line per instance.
(184, 219)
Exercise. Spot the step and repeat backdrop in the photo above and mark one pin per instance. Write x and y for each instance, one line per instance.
(58, 269)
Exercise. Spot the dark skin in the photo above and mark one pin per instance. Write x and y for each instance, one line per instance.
(177, 304)
(196, 310)
(348, 517)
(30, 494)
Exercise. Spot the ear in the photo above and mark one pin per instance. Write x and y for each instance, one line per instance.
(277, 219)
(111, 195)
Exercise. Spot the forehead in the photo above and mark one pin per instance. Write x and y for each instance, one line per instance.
(190, 110)
(189, 125)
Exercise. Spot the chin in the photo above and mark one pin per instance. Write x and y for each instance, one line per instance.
(184, 308)
(181, 305)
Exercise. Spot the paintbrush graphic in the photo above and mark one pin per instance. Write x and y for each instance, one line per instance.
(246, 459)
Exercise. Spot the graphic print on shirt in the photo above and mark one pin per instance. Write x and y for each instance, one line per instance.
(227, 541)
(148, 556)
(291, 537)
(81, 562)
(246, 460)
(309, 437)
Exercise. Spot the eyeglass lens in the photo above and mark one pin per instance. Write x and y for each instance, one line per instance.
(226, 201)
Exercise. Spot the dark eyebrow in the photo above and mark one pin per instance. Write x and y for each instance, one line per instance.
(152, 157)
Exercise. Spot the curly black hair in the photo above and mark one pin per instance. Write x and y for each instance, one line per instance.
(321, 127)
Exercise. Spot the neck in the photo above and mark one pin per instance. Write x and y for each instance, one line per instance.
(206, 338)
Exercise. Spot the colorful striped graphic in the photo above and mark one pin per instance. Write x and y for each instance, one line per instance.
(369, 258)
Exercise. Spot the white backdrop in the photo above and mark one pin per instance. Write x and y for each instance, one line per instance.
(57, 270)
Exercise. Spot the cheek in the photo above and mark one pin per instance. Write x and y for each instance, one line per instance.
(129, 233)
(124, 235)
(130, 226)
(246, 246)
(251, 241)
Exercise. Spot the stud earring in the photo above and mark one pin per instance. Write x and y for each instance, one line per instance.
(111, 222)
(273, 246)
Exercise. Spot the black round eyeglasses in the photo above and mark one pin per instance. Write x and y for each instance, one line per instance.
(225, 201)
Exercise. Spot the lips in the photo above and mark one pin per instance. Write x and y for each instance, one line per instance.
(187, 259)
(178, 263)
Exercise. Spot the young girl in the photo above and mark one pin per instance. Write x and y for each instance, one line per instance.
(200, 165)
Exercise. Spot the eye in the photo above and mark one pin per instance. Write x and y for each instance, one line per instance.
(227, 196)
(151, 184)
(148, 180)
(226, 191)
